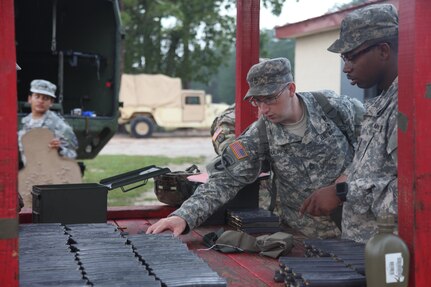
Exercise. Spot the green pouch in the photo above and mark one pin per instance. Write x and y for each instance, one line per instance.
(275, 245)
(231, 241)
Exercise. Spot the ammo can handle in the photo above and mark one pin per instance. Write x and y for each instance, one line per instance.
(193, 168)
(139, 185)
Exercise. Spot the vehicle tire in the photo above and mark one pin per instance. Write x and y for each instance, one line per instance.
(141, 127)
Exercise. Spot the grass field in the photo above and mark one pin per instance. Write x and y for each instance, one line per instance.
(104, 166)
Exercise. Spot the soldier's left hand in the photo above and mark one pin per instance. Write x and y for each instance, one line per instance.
(175, 224)
(54, 144)
(321, 202)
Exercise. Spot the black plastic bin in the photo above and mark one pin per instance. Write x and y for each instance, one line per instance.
(84, 202)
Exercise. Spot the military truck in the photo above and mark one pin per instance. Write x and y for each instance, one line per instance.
(150, 101)
(75, 44)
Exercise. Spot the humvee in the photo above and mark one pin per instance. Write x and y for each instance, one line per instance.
(150, 101)
(75, 44)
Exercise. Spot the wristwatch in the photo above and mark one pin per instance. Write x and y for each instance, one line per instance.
(342, 189)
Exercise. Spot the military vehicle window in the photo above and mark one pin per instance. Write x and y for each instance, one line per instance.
(193, 100)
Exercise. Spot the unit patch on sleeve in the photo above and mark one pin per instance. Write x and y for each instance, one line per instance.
(238, 150)
(217, 132)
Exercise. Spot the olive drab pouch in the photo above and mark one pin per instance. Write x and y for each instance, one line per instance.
(231, 241)
(275, 245)
(174, 188)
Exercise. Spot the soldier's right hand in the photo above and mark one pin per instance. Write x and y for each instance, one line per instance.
(54, 143)
(321, 202)
(175, 224)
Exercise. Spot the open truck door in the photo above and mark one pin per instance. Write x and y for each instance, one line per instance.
(75, 44)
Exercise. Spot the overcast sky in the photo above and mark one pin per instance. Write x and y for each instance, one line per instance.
(294, 11)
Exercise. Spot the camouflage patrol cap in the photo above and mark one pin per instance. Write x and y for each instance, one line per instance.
(43, 87)
(268, 77)
(370, 23)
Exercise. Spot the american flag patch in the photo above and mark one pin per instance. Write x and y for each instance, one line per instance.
(217, 132)
(238, 149)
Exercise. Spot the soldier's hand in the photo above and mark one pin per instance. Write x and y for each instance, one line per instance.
(175, 224)
(321, 202)
(54, 144)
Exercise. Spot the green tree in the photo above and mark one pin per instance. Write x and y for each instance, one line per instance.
(180, 38)
(222, 84)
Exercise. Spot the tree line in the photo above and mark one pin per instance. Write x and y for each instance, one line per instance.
(193, 40)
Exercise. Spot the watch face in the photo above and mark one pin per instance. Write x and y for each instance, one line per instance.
(341, 190)
(341, 187)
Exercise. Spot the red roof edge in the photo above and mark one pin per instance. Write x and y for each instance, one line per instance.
(322, 23)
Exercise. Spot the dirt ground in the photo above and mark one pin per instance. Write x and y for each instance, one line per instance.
(174, 144)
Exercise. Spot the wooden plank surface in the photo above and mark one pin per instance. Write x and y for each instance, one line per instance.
(240, 269)
(260, 267)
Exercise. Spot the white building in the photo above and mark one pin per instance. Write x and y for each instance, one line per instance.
(315, 67)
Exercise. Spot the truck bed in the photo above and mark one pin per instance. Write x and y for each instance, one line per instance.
(239, 269)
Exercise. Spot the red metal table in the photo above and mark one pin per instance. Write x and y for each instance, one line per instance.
(239, 269)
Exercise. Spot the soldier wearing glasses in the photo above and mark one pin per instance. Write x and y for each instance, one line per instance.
(306, 151)
(368, 45)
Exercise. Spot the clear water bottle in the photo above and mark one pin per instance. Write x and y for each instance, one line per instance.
(387, 257)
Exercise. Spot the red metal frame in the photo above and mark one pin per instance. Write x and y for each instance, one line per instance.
(247, 54)
(414, 141)
(8, 145)
(414, 154)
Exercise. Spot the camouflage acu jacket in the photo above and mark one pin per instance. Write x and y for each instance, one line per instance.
(372, 177)
(61, 130)
(223, 129)
(301, 165)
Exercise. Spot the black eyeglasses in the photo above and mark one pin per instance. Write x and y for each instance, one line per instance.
(352, 57)
(255, 102)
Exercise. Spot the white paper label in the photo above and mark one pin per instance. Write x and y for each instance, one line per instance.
(394, 267)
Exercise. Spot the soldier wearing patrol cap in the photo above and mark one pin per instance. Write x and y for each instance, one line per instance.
(368, 44)
(41, 98)
(306, 150)
(223, 127)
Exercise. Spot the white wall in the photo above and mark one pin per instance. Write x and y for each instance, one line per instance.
(315, 67)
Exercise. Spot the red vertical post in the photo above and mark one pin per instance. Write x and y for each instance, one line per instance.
(414, 136)
(247, 54)
(8, 149)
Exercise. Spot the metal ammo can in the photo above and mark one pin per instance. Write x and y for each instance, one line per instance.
(174, 188)
(84, 202)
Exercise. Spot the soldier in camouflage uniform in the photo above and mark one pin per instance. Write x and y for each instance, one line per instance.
(369, 47)
(223, 129)
(41, 99)
(306, 150)
(223, 134)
